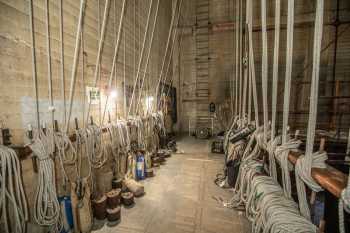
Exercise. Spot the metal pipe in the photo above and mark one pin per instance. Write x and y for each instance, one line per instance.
(34, 72)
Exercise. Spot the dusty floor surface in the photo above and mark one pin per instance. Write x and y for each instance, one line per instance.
(179, 198)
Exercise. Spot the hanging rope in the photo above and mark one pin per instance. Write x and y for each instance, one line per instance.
(150, 45)
(166, 48)
(34, 71)
(63, 82)
(46, 206)
(264, 68)
(275, 66)
(141, 57)
(251, 61)
(49, 72)
(13, 204)
(171, 52)
(310, 159)
(99, 52)
(344, 201)
(115, 57)
(75, 62)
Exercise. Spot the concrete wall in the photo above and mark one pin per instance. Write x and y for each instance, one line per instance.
(16, 87)
(222, 53)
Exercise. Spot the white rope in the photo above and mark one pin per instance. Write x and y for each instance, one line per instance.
(275, 67)
(150, 46)
(166, 47)
(171, 53)
(344, 201)
(34, 71)
(141, 57)
(236, 59)
(264, 67)
(75, 62)
(46, 206)
(310, 159)
(99, 52)
(115, 57)
(49, 72)
(240, 32)
(251, 61)
(13, 204)
(63, 82)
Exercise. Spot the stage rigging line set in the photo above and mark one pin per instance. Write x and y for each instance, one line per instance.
(131, 145)
(256, 149)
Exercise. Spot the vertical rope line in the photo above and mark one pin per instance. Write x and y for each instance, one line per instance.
(264, 67)
(150, 46)
(115, 58)
(83, 74)
(315, 83)
(240, 61)
(166, 49)
(124, 73)
(34, 71)
(75, 62)
(116, 62)
(236, 59)
(99, 52)
(251, 62)
(275, 67)
(63, 82)
(171, 50)
(141, 56)
(289, 64)
(48, 54)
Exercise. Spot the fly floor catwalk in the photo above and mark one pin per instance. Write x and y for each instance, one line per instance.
(180, 197)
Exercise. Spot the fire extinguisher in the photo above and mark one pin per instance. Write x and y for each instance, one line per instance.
(140, 167)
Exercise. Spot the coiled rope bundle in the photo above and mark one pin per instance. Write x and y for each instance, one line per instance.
(12, 196)
(46, 208)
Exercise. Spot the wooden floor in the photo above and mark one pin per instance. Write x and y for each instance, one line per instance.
(179, 198)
